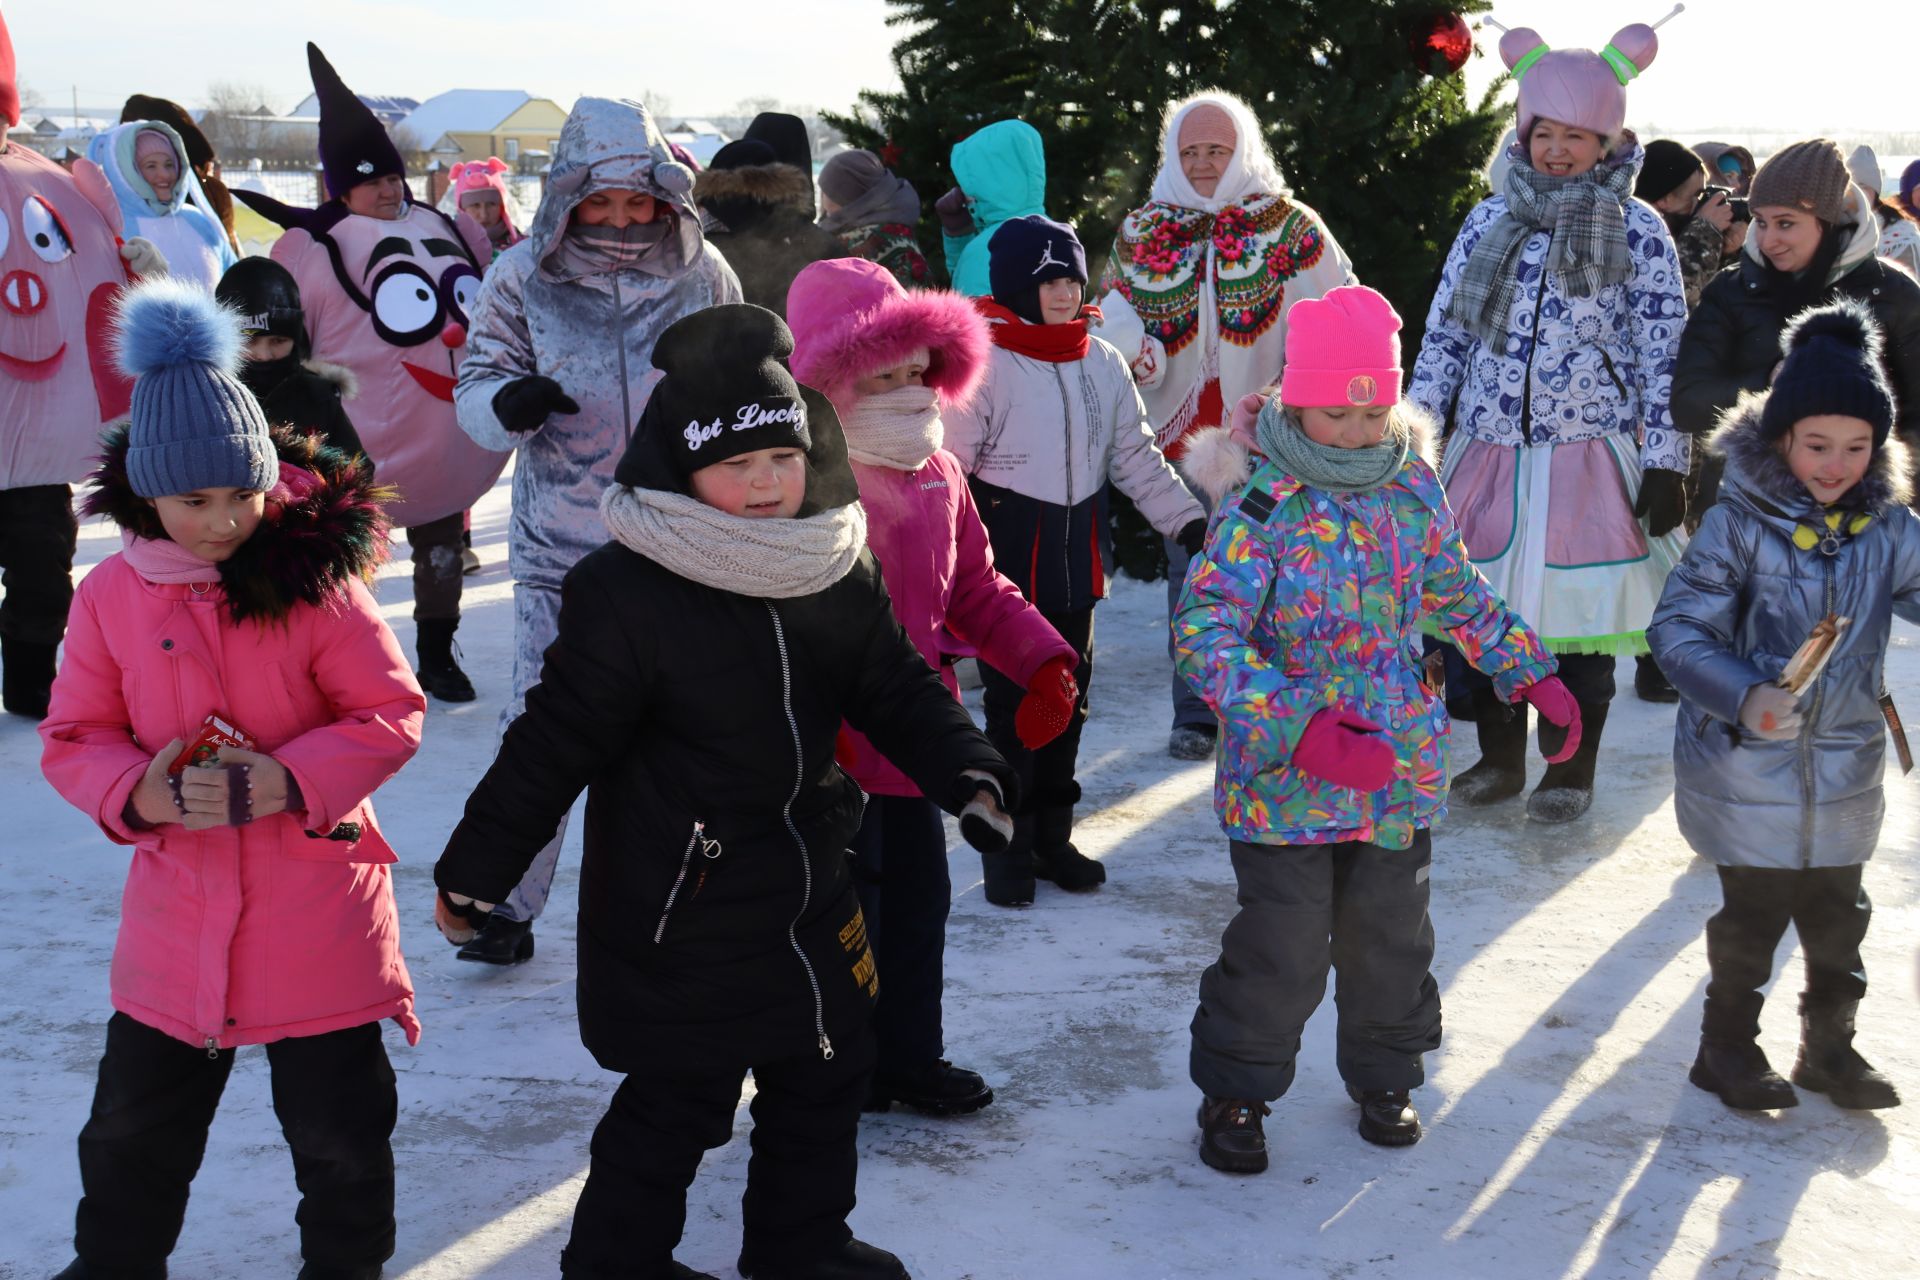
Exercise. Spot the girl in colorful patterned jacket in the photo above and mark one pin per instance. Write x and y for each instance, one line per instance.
(1301, 628)
(1550, 347)
(259, 902)
(890, 361)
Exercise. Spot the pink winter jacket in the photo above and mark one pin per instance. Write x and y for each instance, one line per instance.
(242, 935)
(938, 566)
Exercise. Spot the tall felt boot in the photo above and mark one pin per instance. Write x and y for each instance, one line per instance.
(1054, 857)
(440, 675)
(1731, 1064)
(1009, 873)
(26, 677)
(1829, 1063)
(1501, 773)
(1566, 791)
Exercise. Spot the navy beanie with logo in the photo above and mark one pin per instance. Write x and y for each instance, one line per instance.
(1832, 366)
(193, 424)
(1025, 253)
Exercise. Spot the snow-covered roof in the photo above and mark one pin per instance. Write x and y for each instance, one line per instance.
(463, 111)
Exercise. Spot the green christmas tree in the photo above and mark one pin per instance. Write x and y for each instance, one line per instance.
(1367, 123)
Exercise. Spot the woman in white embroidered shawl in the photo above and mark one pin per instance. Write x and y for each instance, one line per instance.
(1196, 293)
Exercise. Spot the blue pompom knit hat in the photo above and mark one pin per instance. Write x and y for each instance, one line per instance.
(194, 425)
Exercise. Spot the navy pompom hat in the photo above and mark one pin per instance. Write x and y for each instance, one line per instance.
(193, 424)
(1027, 252)
(1832, 366)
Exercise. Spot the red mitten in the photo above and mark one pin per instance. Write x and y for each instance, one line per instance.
(1556, 705)
(1345, 749)
(1045, 712)
(844, 752)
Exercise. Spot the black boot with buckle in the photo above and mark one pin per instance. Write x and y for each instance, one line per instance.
(1232, 1138)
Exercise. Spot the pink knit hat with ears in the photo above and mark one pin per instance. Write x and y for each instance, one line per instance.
(470, 176)
(1577, 86)
(151, 142)
(1342, 349)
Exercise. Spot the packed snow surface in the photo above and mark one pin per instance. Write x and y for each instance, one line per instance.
(1562, 1136)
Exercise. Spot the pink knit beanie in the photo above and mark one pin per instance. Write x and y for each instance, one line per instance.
(1577, 86)
(1342, 349)
(1207, 123)
(151, 142)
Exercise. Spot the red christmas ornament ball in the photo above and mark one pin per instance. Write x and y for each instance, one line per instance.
(1441, 44)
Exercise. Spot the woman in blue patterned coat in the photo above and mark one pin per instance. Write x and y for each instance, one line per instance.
(1550, 347)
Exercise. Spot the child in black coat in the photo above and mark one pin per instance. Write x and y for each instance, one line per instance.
(706, 657)
(293, 388)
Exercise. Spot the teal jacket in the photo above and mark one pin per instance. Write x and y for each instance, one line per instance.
(1003, 170)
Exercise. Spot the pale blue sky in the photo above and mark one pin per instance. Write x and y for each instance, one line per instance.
(1770, 64)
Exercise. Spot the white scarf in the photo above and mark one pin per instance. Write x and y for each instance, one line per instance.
(747, 555)
(899, 428)
(1251, 172)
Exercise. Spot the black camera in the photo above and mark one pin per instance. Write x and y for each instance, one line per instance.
(1742, 210)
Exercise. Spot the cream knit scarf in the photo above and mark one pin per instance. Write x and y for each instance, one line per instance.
(747, 555)
(898, 429)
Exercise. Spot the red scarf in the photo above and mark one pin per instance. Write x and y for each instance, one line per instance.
(1054, 343)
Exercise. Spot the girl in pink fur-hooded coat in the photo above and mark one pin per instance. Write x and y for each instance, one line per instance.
(890, 360)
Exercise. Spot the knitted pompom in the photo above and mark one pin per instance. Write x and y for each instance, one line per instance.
(166, 322)
(1845, 321)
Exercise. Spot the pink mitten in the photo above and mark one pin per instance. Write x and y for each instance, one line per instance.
(1345, 749)
(1240, 422)
(1556, 706)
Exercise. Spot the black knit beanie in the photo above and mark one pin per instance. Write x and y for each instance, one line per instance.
(1667, 165)
(1832, 366)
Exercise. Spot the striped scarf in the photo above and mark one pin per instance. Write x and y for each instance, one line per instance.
(1586, 215)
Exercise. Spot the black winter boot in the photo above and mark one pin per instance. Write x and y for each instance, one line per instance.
(1829, 1064)
(1009, 874)
(854, 1260)
(1232, 1137)
(1387, 1116)
(1501, 773)
(939, 1088)
(328, 1271)
(681, 1271)
(1739, 1073)
(500, 941)
(1054, 857)
(439, 675)
(1650, 683)
(1566, 791)
(26, 677)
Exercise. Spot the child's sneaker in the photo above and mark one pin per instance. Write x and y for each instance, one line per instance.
(1387, 1117)
(1232, 1139)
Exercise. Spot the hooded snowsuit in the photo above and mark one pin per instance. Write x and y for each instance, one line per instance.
(1003, 170)
(540, 313)
(186, 229)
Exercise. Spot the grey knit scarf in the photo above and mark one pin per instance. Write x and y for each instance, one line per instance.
(749, 556)
(1325, 466)
(899, 428)
(1586, 215)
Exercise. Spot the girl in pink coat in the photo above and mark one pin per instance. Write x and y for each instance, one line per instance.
(258, 906)
(889, 360)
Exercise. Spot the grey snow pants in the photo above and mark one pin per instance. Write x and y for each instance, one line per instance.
(1357, 908)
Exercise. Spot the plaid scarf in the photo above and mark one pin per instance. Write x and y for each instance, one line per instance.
(1586, 215)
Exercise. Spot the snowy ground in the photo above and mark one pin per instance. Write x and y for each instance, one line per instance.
(1563, 1139)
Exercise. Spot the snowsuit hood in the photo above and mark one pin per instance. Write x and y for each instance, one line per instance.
(1003, 170)
(186, 228)
(609, 145)
(1734, 612)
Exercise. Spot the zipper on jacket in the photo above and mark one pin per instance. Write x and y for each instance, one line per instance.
(694, 841)
(1066, 524)
(1533, 350)
(1613, 373)
(1806, 742)
(620, 345)
(786, 815)
(213, 1047)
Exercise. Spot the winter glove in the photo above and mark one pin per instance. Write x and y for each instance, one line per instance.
(984, 822)
(1244, 420)
(1047, 710)
(156, 797)
(1662, 502)
(956, 213)
(1770, 712)
(523, 404)
(1556, 705)
(459, 917)
(143, 258)
(1345, 749)
(1192, 537)
(242, 787)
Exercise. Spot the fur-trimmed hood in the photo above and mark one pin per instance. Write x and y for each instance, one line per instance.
(338, 374)
(1755, 468)
(850, 317)
(324, 525)
(1218, 460)
(742, 196)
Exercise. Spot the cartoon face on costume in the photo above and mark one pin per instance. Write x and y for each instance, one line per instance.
(60, 271)
(417, 284)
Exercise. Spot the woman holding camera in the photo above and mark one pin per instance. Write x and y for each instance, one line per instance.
(1808, 247)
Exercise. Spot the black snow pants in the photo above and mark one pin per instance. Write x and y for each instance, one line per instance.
(1358, 908)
